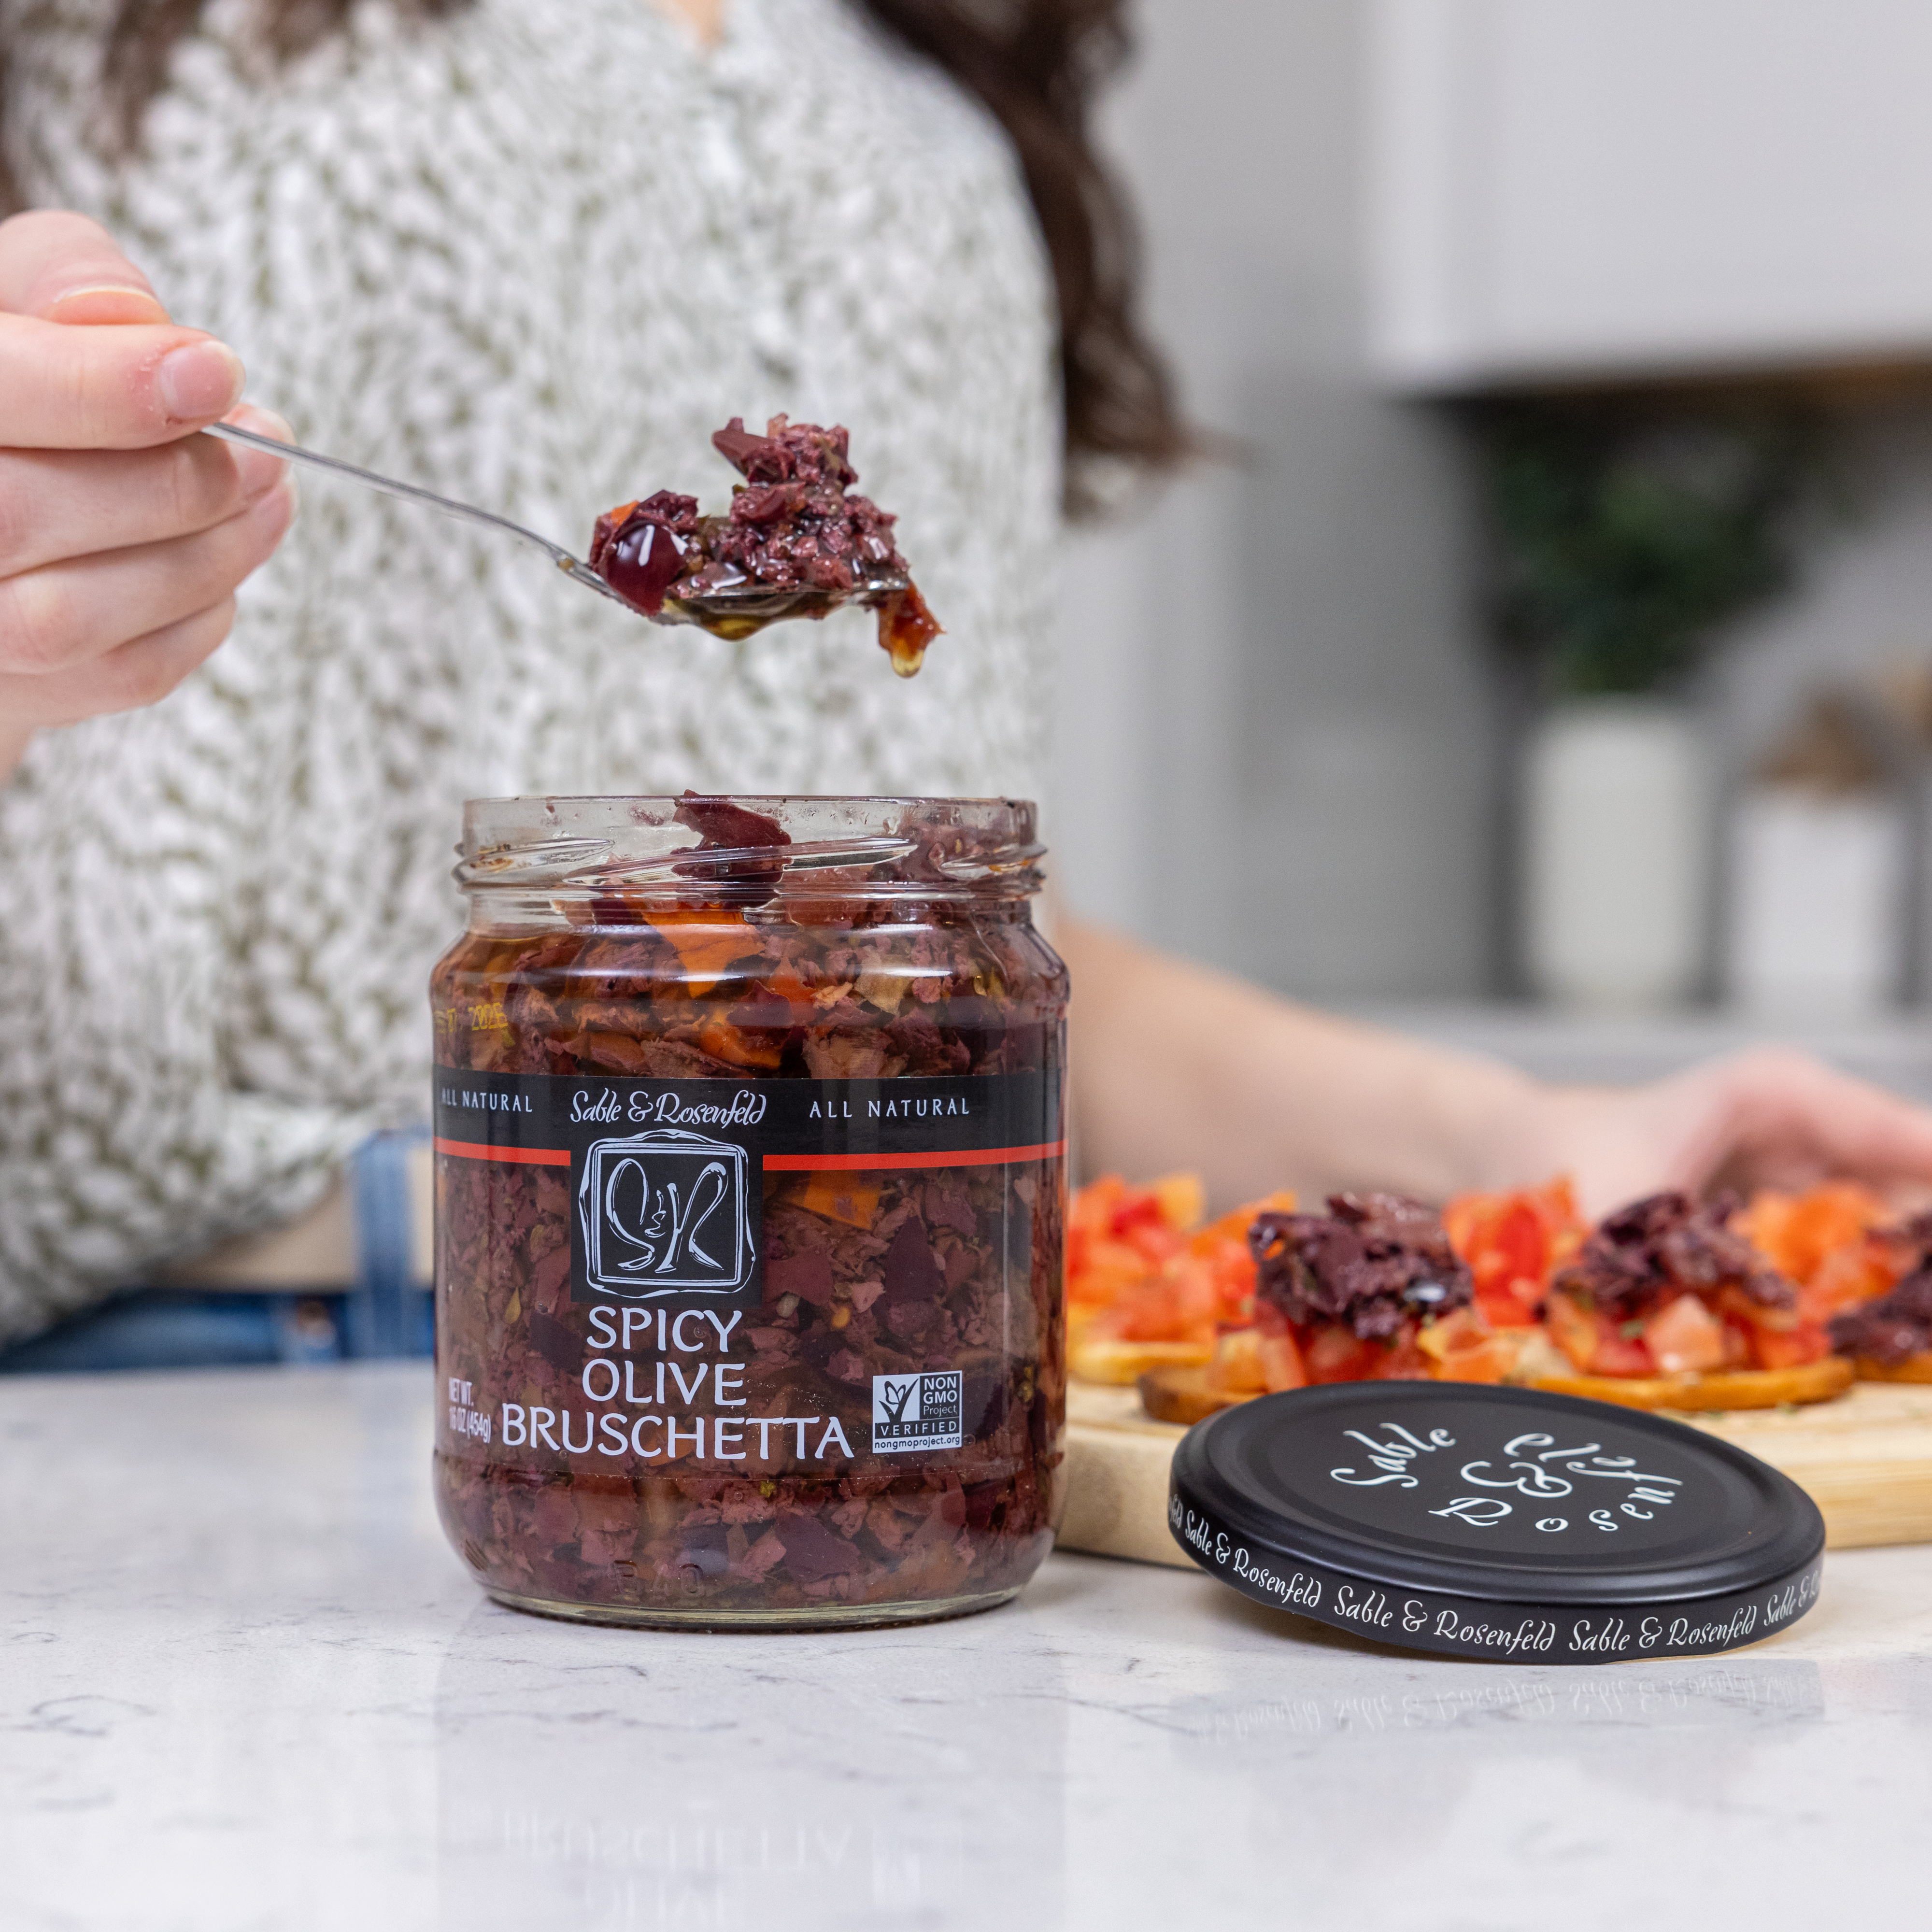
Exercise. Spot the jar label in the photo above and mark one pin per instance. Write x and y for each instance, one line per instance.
(777, 1279)
(667, 1178)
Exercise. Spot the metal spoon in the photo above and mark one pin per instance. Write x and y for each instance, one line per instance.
(571, 567)
(731, 610)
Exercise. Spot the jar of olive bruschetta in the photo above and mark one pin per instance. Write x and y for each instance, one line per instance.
(750, 1192)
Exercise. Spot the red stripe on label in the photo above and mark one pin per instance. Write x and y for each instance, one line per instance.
(846, 1163)
(522, 1156)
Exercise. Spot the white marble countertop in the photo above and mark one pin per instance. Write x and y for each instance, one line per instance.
(243, 1684)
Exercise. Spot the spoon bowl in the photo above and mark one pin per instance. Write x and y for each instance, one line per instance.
(734, 610)
(731, 610)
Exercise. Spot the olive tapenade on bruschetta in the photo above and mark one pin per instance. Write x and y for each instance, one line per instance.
(1372, 1291)
(1889, 1338)
(1666, 1306)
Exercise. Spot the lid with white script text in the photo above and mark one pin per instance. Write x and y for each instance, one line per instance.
(1499, 1523)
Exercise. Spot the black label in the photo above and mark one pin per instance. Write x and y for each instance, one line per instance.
(667, 1177)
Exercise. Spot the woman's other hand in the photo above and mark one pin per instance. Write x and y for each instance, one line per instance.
(1768, 1117)
(1175, 1066)
(123, 535)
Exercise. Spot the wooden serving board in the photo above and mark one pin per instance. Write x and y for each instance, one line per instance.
(1865, 1459)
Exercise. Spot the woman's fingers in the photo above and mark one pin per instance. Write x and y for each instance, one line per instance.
(64, 388)
(1766, 1117)
(65, 268)
(68, 387)
(58, 620)
(142, 671)
(123, 535)
(1772, 1114)
(57, 504)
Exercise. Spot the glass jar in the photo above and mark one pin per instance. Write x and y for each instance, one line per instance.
(750, 1195)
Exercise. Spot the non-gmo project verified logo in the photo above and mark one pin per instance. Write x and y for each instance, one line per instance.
(917, 1411)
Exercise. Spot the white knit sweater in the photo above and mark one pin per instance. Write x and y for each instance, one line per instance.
(531, 256)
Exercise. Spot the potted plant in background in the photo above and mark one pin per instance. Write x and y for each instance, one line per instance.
(1820, 841)
(1625, 535)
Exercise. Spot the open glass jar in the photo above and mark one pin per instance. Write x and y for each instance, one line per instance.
(751, 1180)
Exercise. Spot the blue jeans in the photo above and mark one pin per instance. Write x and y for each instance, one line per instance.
(385, 1312)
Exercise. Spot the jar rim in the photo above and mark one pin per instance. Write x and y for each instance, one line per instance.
(687, 844)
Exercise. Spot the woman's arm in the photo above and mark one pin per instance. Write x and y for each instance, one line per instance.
(123, 535)
(1176, 1066)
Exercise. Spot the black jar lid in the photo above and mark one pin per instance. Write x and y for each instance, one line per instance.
(1502, 1523)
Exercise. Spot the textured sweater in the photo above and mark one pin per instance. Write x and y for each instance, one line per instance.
(530, 257)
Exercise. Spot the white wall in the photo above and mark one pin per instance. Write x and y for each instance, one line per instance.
(1275, 747)
(1592, 186)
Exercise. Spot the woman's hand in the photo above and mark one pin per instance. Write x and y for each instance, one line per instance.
(1766, 1117)
(123, 535)
(1176, 1067)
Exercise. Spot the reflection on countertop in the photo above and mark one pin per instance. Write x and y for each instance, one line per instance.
(245, 1683)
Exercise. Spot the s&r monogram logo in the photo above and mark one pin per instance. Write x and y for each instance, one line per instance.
(664, 1211)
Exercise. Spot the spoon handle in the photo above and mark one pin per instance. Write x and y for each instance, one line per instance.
(412, 492)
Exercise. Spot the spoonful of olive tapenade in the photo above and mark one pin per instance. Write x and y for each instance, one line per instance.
(794, 544)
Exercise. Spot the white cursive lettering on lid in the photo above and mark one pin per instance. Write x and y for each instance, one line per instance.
(1394, 1457)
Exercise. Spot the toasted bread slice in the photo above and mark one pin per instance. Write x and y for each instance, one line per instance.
(1100, 1358)
(1181, 1393)
(1914, 1369)
(1718, 1388)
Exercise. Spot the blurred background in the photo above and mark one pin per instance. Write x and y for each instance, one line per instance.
(1551, 670)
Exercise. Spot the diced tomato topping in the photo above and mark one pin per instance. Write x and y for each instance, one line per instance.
(1157, 1242)
(1618, 1354)
(1594, 1345)
(1684, 1337)
(1848, 1277)
(1166, 1307)
(1461, 1347)
(1236, 1367)
(1490, 1361)
(1118, 1236)
(1182, 1199)
(1135, 1271)
(1282, 1366)
(1513, 1243)
(1797, 1233)
(1106, 1270)
(1517, 1243)
(1740, 1345)
(1461, 1328)
(1573, 1329)
(1138, 1210)
(1790, 1348)
(1829, 1240)
(1400, 1360)
(1333, 1354)
(1270, 1355)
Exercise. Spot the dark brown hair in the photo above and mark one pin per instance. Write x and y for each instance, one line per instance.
(1035, 64)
